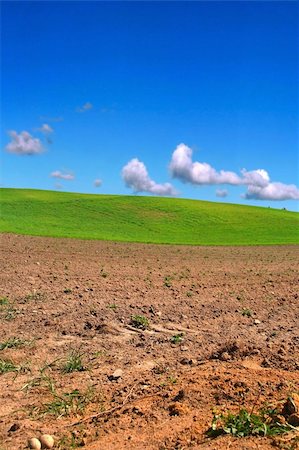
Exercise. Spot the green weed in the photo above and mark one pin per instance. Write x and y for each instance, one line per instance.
(266, 422)
(73, 402)
(177, 338)
(139, 322)
(7, 366)
(12, 343)
(168, 281)
(73, 363)
(246, 312)
(4, 301)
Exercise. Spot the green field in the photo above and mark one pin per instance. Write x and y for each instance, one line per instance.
(143, 219)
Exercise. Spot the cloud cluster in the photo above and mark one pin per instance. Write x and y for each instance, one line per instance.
(272, 191)
(97, 183)
(182, 167)
(86, 107)
(257, 181)
(24, 144)
(136, 177)
(62, 175)
(222, 193)
(45, 129)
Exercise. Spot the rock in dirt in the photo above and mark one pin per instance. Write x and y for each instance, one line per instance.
(118, 373)
(225, 356)
(291, 406)
(14, 427)
(294, 420)
(34, 443)
(47, 441)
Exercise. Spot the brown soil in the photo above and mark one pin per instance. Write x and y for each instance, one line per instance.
(236, 309)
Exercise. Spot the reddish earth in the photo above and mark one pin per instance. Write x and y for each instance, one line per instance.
(236, 309)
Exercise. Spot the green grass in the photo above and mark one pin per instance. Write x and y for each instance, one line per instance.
(265, 422)
(73, 363)
(140, 322)
(143, 219)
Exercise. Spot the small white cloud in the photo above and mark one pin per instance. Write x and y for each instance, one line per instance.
(86, 107)
(24, 144)
(45, 129)
(136, 177)
(62, 175)
(182, 167)
(221, 193)
(97, 183)
(272, 191)
(58, 186)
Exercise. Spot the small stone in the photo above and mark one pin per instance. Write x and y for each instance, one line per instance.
(186, 361)
(184, 348)
(257, 322)
(294, 420)
(225, 356)
(34, 443)
(291, 406)
(14, 427)
(47, 441)
(118, 373)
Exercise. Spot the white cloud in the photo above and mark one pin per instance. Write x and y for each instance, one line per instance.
(97, 182)
(24, 144)
(62, 175)
(182, 167)
(221, 193)
(58, 186)
(136, 177)
(86, 107)
(258, 177)
(272, 191)
(259, 185)
(45, 129)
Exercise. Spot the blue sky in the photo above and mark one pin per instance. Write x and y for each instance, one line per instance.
(109, 91)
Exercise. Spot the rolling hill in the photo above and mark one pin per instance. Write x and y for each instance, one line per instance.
(143, 219)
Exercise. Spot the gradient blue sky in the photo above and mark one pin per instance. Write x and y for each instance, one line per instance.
(220, 77)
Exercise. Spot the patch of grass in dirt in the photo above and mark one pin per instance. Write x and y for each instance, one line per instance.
(140, 322)
(7, 310)
(177, 338)
(4, 301)
(113, 306)
(143, 219)
(74, 362)
(70, 441)
(13, 342)
(6, 365)
(265, 422)
(168, 281)
(68, 403)
(34, 296)
(247, 312)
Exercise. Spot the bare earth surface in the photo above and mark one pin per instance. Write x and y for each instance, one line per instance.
(233, 311)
